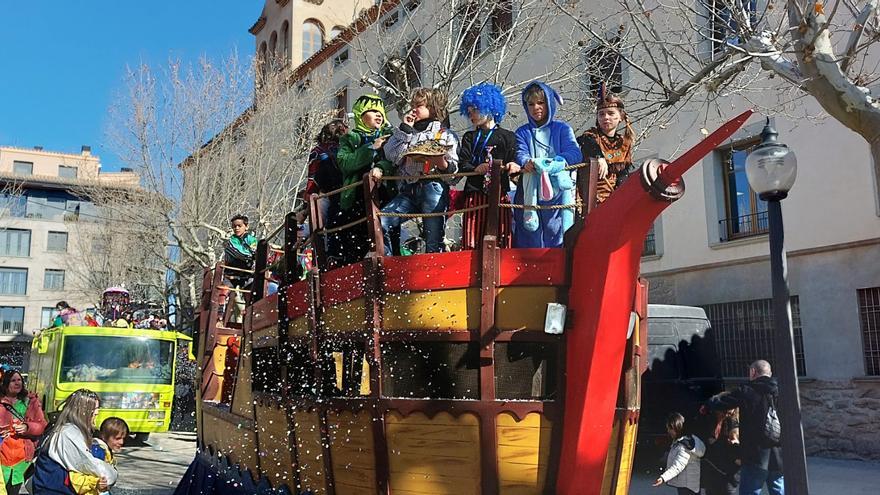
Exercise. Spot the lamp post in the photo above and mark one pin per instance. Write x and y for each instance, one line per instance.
(771, 169)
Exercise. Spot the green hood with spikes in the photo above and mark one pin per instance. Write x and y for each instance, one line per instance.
(367, 103)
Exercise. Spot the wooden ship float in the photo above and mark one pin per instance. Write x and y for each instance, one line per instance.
(438, 373)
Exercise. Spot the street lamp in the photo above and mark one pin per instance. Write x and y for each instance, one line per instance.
(771, 169)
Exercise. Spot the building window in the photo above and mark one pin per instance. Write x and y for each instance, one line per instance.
(501, 20)
(273, 50)
(53, 279)
(56, 242)
(13, 281)
(391, 19)
(722, 25)
(47, 316)
(605, 65)
(341, 58)
(15, 242)
(11, 320)
(650, 246)
(414, 63)
(743, 333)
(263, 60)
(22, 168)
(341, 103)
(869, 317)
(745, 214)
(336, 31)
(72, 210)
(14, 205)
(285, 42)
(312, 40)
(67, 172)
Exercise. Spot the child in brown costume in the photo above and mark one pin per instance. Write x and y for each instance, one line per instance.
(611, 148)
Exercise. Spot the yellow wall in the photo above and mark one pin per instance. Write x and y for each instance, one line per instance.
(298, 327)
(276, 456)
(351, 449)
(440, 455)
(243, 395)
(523, 450)
(457, 309)
(345, 317)
(310, 456)
(232, 439)
(523, 308)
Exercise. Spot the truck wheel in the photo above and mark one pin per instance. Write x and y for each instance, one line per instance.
(141, 437)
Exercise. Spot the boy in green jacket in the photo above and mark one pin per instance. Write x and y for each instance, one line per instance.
(360, 151)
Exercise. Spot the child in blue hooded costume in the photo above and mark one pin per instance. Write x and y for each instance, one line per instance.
(544, 148)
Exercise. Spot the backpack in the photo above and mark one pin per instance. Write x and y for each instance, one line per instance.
(771, 429)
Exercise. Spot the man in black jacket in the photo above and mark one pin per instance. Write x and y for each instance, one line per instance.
(761, 457)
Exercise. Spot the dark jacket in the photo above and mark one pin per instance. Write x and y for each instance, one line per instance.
(50, 478)
(503, 144)
(752, 401)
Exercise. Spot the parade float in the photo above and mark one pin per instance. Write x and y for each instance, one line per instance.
(491, 371)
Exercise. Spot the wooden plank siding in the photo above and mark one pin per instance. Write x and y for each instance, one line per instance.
(523, 453)
(310, 462)
(352, 453)
(276, 457)
(438, 455)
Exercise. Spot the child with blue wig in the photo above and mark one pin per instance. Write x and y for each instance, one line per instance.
(485, 106)
(545, 146)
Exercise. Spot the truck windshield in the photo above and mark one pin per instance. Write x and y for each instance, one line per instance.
(88, 358)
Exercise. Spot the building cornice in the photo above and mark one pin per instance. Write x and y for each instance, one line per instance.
(52, 182)
(258, 26)
(72, 156)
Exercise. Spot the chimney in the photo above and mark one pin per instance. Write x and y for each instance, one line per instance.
(38, 148)
(86, 150)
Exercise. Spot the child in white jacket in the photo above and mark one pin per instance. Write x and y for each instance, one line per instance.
(683, 462)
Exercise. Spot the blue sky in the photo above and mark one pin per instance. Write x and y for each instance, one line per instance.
(63, 60)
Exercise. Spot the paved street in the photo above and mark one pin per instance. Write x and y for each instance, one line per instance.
(827, 477)
(155, 468)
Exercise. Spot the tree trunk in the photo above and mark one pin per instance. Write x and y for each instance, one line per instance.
(850, 104)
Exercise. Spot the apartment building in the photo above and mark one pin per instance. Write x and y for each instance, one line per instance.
(710, 248)
(42, 205)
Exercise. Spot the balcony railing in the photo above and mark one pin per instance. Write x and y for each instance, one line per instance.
(745, 226)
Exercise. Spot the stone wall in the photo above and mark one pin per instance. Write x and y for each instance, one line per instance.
(841, 418)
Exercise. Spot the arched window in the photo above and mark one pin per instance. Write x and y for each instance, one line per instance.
(262, 59)
(336, 31)
(313, 38)
(285, 42)
(273, 49)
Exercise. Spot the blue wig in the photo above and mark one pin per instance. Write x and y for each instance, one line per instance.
(486, 98)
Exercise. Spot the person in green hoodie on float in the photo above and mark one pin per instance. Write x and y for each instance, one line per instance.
(360, 151)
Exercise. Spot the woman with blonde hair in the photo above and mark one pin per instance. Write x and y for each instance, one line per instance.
(67, 448)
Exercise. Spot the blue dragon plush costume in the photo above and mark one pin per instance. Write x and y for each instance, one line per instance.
(551, 146)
